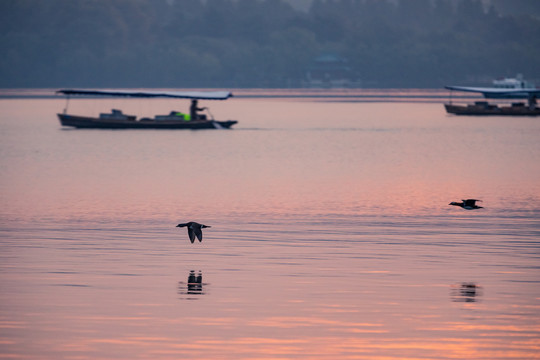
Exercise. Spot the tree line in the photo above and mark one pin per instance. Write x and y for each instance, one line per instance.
(260, 43)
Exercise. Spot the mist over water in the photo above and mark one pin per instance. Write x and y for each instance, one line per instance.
(331, 233)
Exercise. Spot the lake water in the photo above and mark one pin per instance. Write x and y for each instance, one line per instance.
(331, 236)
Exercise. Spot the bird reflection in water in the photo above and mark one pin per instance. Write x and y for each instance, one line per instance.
(193, 286)
(466, 292)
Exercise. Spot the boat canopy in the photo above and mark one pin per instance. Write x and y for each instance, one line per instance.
(498, 93)
(196, 95)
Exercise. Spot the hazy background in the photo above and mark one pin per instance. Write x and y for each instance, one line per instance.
(270, 43)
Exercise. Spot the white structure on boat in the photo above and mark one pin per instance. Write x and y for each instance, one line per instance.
(513, 83)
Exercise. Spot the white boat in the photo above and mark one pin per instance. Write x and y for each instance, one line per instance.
(507, 88)
(513, 83)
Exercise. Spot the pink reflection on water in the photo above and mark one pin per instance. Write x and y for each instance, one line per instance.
(331, 234)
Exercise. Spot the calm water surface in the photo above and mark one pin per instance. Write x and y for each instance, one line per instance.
(331, 233)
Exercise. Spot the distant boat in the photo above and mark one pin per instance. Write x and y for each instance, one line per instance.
(116, 119)
(508, 88)
(485, 108)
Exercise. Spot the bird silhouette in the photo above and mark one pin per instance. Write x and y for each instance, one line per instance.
(194, 229)
(469, 204)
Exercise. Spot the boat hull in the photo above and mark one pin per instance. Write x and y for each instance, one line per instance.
(83, 122)
(483, 110)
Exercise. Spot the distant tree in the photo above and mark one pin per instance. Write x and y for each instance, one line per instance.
(518, 7)
(262, 42)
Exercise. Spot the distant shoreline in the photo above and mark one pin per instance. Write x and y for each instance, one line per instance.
(360, 95)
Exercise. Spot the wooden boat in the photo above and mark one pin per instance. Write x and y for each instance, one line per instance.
(116, 119)
(130, 122)
(503, 89)
(484, 108)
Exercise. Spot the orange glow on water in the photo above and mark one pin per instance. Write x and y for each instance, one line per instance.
(331, 237)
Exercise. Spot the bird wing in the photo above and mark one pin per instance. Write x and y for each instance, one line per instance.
(470, 202)
(198, 232)
(191, 234)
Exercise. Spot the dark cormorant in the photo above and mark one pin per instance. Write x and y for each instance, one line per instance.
(469, 204)
(194, 229)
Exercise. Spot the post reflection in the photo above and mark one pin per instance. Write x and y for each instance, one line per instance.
(466, 292)
(193, 286)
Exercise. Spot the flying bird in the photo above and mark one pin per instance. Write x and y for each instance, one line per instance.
(469, 204)
(194, 229)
